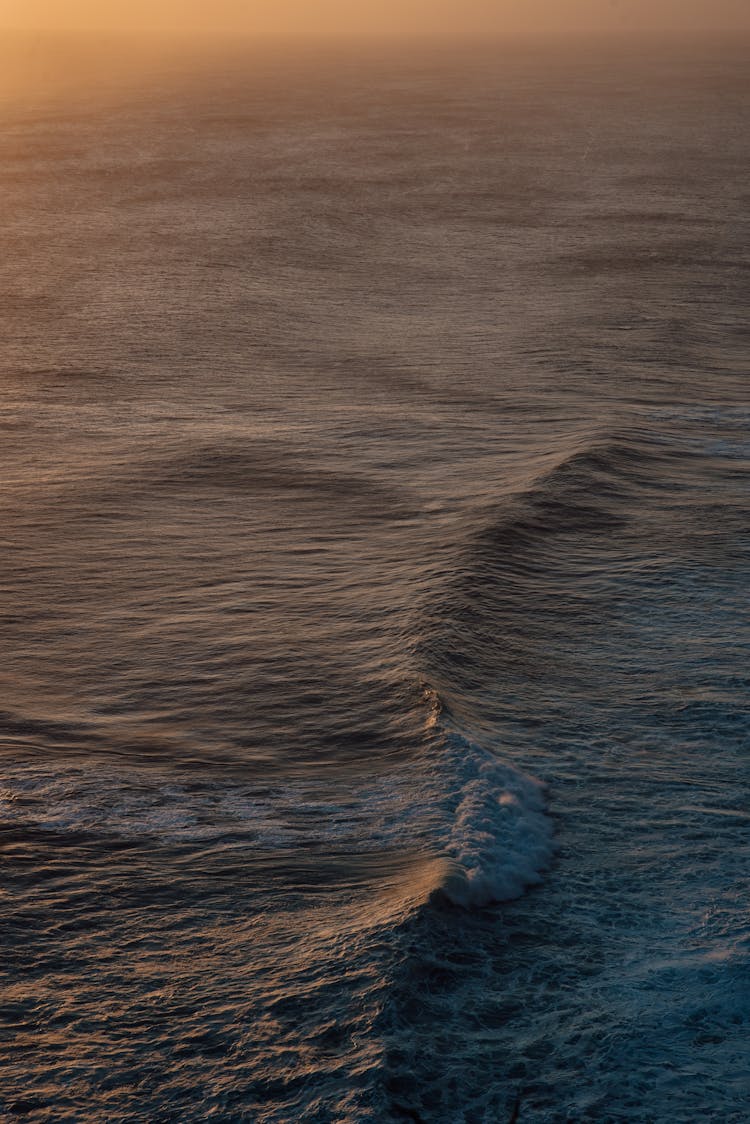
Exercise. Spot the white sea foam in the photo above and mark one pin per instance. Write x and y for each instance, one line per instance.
(500, 836)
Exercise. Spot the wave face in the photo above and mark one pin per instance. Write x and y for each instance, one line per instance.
(373, 709)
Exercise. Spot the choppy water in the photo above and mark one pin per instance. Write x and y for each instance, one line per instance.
(375, 619)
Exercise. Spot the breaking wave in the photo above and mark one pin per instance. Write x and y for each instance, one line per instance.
(486, 819)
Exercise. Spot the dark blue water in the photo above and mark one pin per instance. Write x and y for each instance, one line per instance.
(375, 619)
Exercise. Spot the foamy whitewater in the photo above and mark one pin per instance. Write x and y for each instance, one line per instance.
(375, 620)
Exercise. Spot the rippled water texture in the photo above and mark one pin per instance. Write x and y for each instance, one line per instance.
(375, 619)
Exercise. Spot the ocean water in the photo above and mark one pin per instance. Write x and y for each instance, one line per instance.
(375, 449)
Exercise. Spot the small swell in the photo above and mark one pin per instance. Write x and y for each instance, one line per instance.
(590, 488)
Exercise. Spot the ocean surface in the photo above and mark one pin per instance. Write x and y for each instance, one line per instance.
(374, 727)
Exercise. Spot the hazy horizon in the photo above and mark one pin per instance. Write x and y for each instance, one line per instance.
(386, 19)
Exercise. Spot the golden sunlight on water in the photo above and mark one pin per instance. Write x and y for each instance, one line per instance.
(41, 68)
